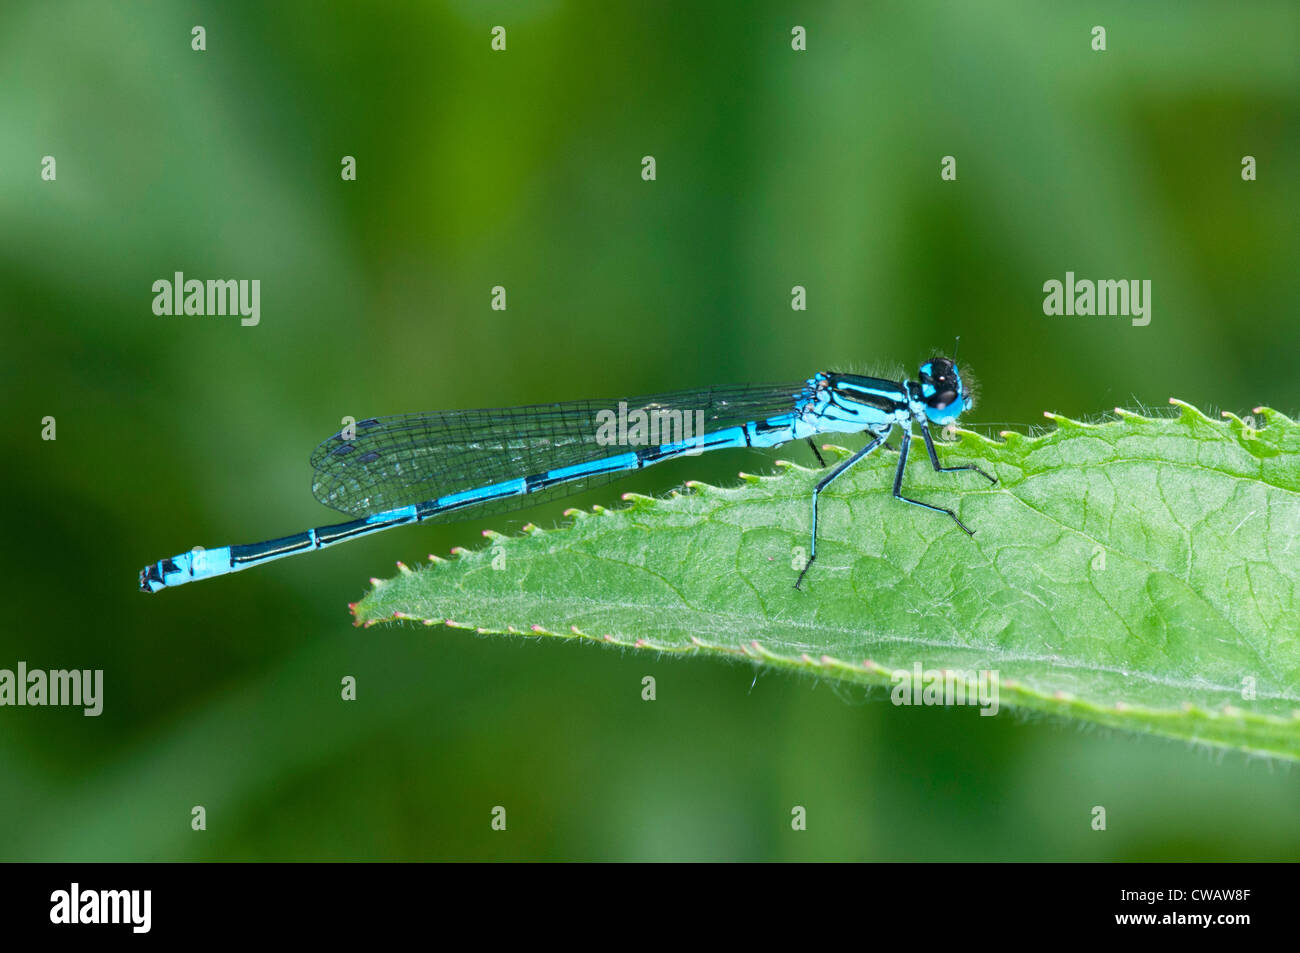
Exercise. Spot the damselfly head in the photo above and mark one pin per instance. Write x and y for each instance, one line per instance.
(941, 389)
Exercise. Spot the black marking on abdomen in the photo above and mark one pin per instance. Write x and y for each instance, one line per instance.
(255, 552)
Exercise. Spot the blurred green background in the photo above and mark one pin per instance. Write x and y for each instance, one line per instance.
(522, 168)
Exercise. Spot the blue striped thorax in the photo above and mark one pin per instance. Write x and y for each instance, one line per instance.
(850, 403)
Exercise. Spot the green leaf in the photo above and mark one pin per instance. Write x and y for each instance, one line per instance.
(1139, 573)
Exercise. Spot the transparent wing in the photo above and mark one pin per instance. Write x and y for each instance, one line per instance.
(406, 459)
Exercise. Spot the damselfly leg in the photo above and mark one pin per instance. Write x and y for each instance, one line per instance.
(898, 481)
(904, 444)
(934, 458)
(823, 484)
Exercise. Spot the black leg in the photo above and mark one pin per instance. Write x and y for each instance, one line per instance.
(898, 482)
(823, 484)
(817, 453)
(934, 458)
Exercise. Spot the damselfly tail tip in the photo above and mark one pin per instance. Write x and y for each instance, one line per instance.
(150, 581)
